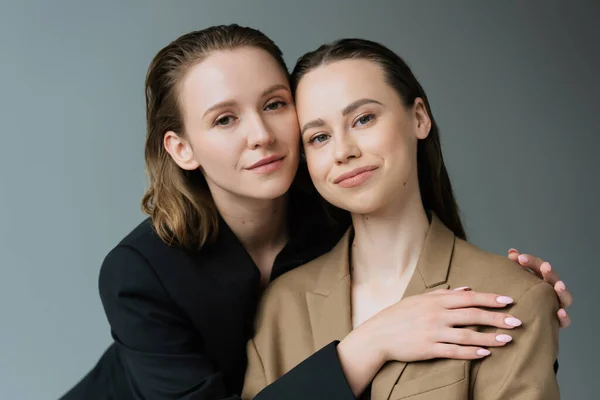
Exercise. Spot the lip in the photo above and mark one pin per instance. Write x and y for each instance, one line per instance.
(346, 179)
(265, 161)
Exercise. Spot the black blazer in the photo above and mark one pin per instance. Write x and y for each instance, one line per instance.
(181, 319)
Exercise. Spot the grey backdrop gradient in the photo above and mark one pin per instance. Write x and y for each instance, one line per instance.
(514, 87)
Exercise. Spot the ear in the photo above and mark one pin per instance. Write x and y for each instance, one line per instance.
(180, 151)
(423, 122)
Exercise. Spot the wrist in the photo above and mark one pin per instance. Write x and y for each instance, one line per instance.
(360, 357)
(368, 337)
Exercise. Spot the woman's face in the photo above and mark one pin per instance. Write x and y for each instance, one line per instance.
(241, 127)
(360, 140)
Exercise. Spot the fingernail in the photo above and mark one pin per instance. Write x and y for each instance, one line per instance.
(504, 300)
(562, 313)
(483, 352)
(513, 321)
(561, 286)
(504, 338)
(465, 288)
(511, 250)
(523, 259)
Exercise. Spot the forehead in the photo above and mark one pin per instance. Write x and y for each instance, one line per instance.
(339, 83)
(240, 74)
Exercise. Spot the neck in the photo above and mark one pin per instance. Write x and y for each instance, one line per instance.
(259, 224)
(387, 244)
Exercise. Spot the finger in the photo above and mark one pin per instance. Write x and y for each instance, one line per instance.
(462, 288)
(437, 292)
(463, 299)
(476, 316)
(563, 318)
(513, 254)
(445, 350)
(565, 297)
(548, 273)
(469, 337)
(531, 262)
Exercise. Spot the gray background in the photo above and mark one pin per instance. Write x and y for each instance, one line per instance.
(514, 86)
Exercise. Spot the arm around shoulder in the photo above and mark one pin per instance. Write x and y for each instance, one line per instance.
(318, 377)
(272, 372)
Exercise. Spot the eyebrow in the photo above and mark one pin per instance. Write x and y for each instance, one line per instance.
(356, 104)
(275, 88)
(317, 123)
(223, 104)
(231, 103)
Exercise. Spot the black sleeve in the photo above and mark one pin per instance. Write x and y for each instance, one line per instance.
(318, 377)
(162, 354)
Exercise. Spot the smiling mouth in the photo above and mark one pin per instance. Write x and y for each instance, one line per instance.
(267, 165)
(355, 177)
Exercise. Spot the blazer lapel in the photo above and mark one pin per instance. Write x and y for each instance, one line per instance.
(329, 304)
(431, 274)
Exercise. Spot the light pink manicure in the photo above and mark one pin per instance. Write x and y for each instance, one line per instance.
(504, 300)
(504, 338)
(513, 321)
(549, 266)
(483, 352)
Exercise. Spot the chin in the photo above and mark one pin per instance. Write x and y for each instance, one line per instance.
(272, 188)
(359, 209)
(356, 205)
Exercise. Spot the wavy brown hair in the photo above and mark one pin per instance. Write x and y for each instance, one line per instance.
(178, 201)
(434, 183)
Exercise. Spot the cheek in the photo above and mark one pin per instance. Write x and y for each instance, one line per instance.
(394, 142)
(317, 167)
(218, 152)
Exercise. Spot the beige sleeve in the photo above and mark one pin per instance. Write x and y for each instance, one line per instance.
(256, 379)
(524, 368)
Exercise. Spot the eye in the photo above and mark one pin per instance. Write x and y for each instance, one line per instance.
(364, 120)
(225, 120)
(275, 105)
(318, 138)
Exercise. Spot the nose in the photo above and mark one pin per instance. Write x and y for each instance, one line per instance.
(345, 149)
(259, 133)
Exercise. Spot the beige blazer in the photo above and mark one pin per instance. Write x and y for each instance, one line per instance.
(309, 307)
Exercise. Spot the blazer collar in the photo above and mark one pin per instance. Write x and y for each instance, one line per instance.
(431, 271)
(329, 302)
(434, 262)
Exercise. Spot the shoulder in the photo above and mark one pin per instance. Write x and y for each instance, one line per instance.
(485, 271)
(142, 238)
(131, 254)
(140, 260)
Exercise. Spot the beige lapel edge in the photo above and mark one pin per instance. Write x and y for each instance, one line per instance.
(330, 301)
